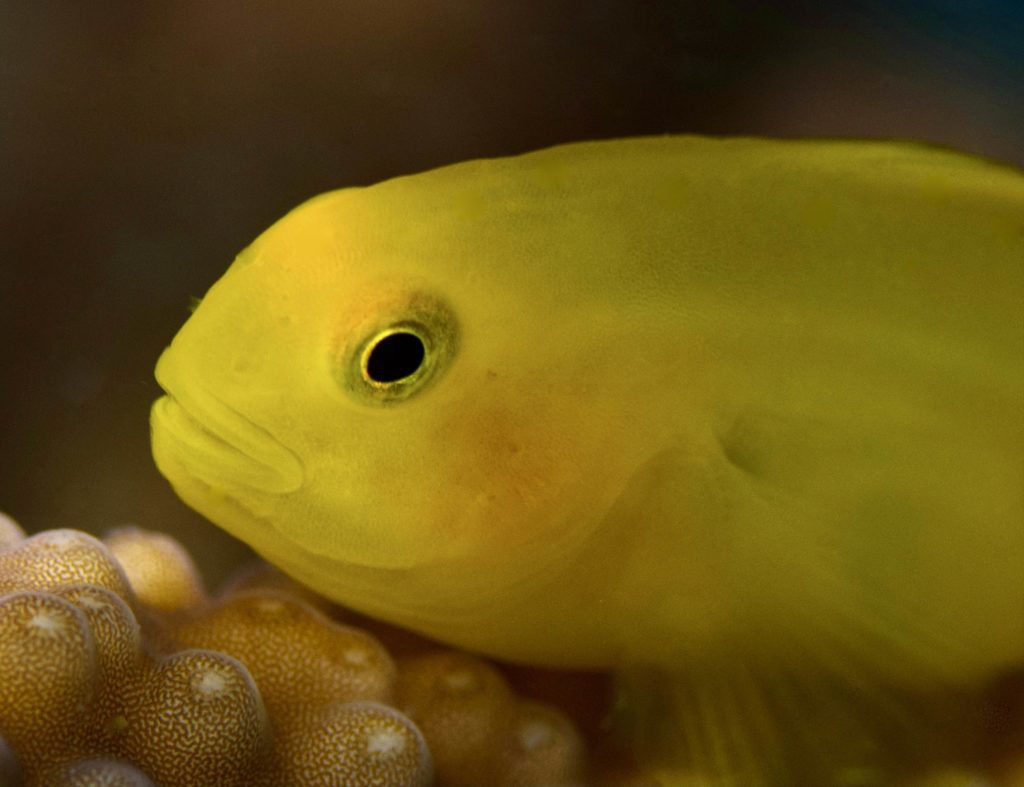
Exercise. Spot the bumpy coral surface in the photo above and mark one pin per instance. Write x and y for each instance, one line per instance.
(117, 669)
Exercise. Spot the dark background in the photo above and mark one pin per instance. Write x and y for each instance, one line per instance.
(144, 144)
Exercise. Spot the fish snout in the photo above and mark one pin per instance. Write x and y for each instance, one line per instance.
(218, 444)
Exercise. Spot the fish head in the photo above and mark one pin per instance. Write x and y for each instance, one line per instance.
(374, 391)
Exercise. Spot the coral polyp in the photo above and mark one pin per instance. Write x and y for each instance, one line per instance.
(381, 746)
(48, 663)
(160, 570)
(57, 558)
(278, 637)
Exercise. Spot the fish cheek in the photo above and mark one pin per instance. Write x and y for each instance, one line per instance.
(505, 472)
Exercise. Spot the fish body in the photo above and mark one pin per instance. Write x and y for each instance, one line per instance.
(742, 419)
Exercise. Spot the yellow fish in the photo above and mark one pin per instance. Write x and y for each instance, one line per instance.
(741, 419)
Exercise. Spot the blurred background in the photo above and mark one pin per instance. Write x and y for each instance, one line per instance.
(143, 144)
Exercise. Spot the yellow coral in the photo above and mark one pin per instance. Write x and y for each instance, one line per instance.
(56, 558)
(160, 570)
(48, 664)
(257, 687)
(101, 773)
(196, 718)
(354, 743)
(301, 660)
(10, 532)
(542, 742)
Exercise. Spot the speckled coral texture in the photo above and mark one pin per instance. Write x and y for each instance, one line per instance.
(119, 669)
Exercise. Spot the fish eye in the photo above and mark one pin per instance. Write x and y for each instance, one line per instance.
(403, 348)
(395, 355)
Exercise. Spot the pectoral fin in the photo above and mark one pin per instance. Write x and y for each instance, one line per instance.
(824, 714)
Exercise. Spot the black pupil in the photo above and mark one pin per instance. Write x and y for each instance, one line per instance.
(395, 357)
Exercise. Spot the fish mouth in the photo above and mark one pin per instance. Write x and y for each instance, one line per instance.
(221, 447)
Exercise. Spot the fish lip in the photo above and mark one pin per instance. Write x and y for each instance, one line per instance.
(218, 445)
